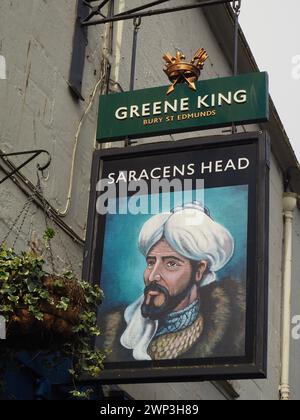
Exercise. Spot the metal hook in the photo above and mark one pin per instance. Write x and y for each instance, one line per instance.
(137, 21)
(47, 164)
(46, 176)
(34, 154)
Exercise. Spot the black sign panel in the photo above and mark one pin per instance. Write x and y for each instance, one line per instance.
(178, 241)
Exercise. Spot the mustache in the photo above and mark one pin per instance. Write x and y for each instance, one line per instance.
(155, 287)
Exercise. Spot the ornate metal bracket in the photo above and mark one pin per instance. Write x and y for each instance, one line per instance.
(86, 11)
(142, 11)
(34, 154)
(95, 10)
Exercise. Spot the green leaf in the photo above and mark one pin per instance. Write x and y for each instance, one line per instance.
(4, 275)
(95, 331)
(14, 299)
(58, 283)
(79, 394)
(6, 309)
(68, 275)
(63, 304)
(44, 294)
(36, 313)
(49, 234)
(31, 285)
(78, 328)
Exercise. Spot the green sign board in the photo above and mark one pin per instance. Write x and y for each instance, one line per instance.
(216, 102)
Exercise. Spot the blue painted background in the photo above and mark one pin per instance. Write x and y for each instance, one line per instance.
(123, 265)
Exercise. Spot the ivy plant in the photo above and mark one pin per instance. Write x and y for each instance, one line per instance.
(40, 305)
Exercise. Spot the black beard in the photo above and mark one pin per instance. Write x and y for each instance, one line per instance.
(171, 302)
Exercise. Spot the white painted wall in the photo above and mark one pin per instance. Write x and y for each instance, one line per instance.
(37, 111)
(2, 68)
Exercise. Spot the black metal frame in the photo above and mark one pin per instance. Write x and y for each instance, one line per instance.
(97, 10)
(254, 365)
(34, 154)
(139, 11)
(84, 19)
(80, 41)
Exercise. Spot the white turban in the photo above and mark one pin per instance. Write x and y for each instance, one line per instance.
(192, 233)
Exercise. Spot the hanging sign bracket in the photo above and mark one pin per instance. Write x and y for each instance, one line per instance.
(142, 11)
(33, 155)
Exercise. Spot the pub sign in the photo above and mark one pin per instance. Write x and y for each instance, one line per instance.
(213, 103)
(178, 241)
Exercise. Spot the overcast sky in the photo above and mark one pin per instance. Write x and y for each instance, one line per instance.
(272, 28)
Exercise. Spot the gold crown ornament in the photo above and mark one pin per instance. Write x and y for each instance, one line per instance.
(180, 71)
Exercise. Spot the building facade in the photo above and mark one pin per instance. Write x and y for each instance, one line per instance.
(39, 111)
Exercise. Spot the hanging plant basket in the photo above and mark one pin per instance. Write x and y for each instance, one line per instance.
(54, 318)
(48, 313)
(41, 310)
